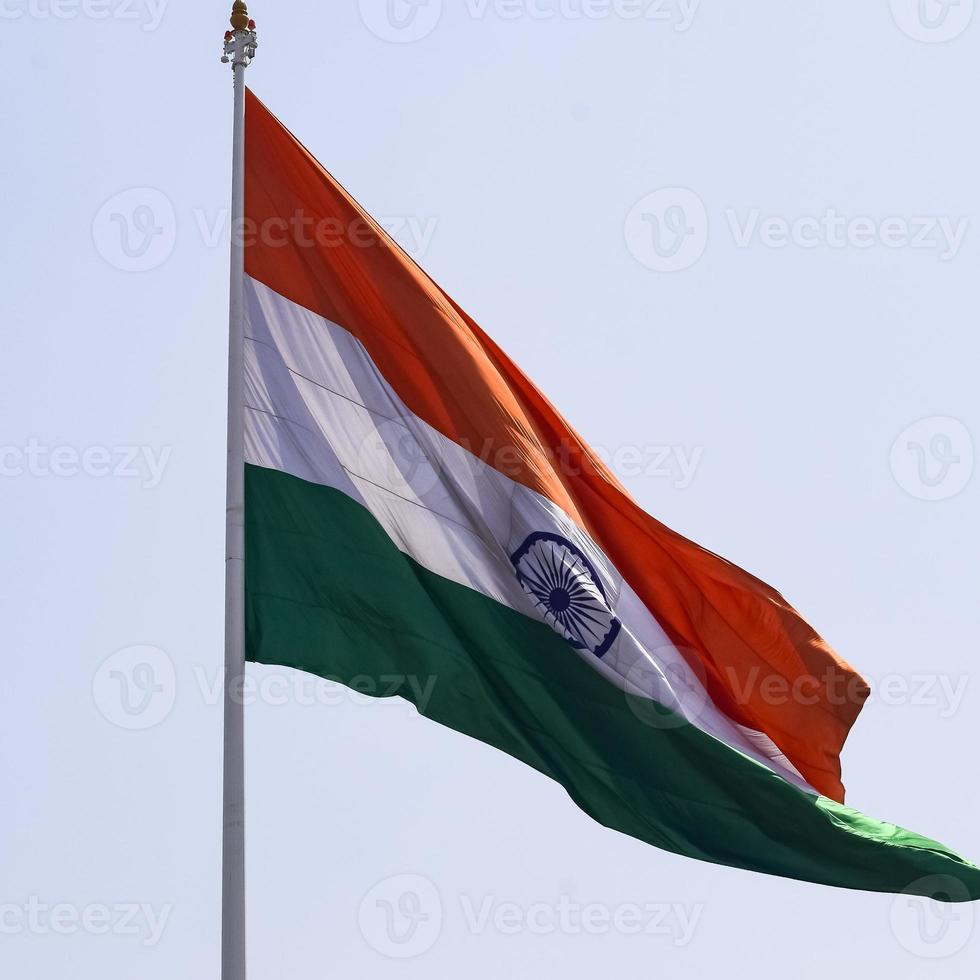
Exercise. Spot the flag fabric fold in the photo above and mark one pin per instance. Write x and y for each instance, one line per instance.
(416, 508)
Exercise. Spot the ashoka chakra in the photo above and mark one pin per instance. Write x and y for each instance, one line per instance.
(564, 585)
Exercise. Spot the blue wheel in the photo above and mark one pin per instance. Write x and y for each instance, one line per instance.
(565, 587)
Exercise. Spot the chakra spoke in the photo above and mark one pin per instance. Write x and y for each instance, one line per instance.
(585, 615)
(537, 583)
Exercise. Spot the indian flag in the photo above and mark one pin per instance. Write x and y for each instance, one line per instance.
(416, 508)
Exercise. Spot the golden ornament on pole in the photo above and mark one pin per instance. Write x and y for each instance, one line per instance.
(239, 15)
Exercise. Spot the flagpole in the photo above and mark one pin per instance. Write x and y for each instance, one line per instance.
(239, 49)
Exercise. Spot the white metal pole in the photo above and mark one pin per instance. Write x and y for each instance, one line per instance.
(239, 49)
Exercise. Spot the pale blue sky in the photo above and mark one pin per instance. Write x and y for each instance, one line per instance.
(758, 397)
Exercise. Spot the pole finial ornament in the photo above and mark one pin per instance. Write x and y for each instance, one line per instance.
(241, 41)
(239, 15)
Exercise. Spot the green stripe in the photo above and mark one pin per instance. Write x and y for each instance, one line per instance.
(328, 592)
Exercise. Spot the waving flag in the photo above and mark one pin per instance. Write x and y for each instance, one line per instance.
(416, 508)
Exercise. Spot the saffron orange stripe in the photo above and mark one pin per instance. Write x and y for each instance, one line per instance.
(307, 239)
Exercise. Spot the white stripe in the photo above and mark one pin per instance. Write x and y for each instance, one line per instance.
(319, 409)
